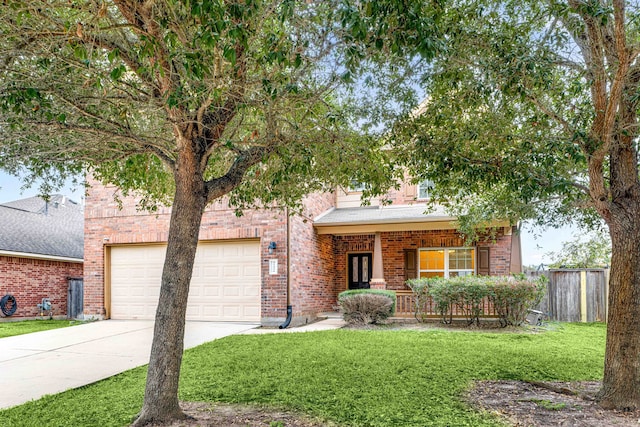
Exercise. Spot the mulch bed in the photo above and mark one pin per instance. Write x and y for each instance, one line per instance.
(566, 404)
(204, 414)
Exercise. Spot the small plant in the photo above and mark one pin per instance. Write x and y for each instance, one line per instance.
(549, 405)
(471, 293)
(367, 306)
(276, 424)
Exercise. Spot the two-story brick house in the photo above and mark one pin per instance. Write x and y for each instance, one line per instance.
(242, 271)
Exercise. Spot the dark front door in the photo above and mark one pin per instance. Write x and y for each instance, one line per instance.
(359, 271)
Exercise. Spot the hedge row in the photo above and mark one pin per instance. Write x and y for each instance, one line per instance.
(511, 296)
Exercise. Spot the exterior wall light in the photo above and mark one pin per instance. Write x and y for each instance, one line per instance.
(272, 247)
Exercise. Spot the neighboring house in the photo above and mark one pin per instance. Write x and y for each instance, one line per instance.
(41, 247)
(241, 271)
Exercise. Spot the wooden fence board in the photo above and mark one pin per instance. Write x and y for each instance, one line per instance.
(75, 298)
(563, 301)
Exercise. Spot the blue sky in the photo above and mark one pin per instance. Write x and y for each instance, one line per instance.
(11, 189)
(535, 243)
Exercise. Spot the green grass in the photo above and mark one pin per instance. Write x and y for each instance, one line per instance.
(354, 378)
(9, 329)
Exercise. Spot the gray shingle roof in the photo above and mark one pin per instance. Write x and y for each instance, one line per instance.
(393, 214)
(36, 227)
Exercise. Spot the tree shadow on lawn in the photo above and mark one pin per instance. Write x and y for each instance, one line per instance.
(518, 403)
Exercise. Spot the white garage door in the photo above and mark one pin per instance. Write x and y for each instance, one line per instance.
(225, 285)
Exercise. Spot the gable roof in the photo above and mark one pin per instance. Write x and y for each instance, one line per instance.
(50, 230)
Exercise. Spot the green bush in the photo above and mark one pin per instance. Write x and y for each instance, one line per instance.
(471, 294)
(420, 289)
(365, 306)
(513, 296)
(445, 295)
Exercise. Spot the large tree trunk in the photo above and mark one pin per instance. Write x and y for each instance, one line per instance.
(621, 382)
(161, 393)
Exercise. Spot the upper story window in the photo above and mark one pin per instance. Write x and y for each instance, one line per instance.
(355, 186)
(425, 188)
(447, 262)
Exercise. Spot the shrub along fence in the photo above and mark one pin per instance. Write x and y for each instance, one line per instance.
(575, 295)
(572, 295)
(472, 298)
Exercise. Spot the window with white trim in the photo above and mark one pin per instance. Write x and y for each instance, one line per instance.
(447, 262)
(355, 186)
(424, 189)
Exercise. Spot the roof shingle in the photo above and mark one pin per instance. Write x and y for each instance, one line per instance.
(33, 226)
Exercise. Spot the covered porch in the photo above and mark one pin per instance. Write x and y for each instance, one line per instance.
(383, 247)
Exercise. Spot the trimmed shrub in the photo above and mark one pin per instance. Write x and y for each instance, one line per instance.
(445, 295)
(513, 296)
(420, 289)
(367, 306)
(472, 290)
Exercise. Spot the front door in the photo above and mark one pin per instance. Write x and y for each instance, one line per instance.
(359, 271)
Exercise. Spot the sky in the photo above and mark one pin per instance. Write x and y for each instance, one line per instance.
(535, 243)
(11, 189)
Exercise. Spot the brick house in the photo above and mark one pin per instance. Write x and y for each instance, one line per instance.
(243, 271)
(41, 248)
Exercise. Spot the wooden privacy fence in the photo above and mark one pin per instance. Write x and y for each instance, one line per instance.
(575, 295)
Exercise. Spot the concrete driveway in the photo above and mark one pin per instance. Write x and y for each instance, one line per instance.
(49, 362)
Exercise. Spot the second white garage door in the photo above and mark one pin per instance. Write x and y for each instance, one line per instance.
(225, 285)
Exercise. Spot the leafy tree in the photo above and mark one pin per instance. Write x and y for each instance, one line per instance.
(187, 101)
(592, 251)
(532, 114)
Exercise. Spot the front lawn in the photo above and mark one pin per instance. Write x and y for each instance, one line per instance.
(354, 378)
(9, 329)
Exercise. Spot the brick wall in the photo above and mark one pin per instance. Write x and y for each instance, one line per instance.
(318, 262)
(29, 280)
(394, 244)
(405, 194)
(106, 224)
(312, 261)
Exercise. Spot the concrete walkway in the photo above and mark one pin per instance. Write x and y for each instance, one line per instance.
(331, 322)
(48, 362)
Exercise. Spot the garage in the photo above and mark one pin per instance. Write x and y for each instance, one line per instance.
(225, 285)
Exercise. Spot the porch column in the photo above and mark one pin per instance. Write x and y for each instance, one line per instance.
(377, 279)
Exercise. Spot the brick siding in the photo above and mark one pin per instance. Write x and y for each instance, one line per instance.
(395, 243)
(318, 262)
(30, 280)
(106, 224)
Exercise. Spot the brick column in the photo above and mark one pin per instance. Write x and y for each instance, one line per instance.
(377, 281)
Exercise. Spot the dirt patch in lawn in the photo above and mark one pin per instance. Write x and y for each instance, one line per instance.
(221, 415)
(570, 404)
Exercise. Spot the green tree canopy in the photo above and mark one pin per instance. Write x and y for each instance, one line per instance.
(532, 114)
(187, 101)
(583, 251)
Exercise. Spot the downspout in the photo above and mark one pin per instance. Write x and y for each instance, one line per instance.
(289, 308)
